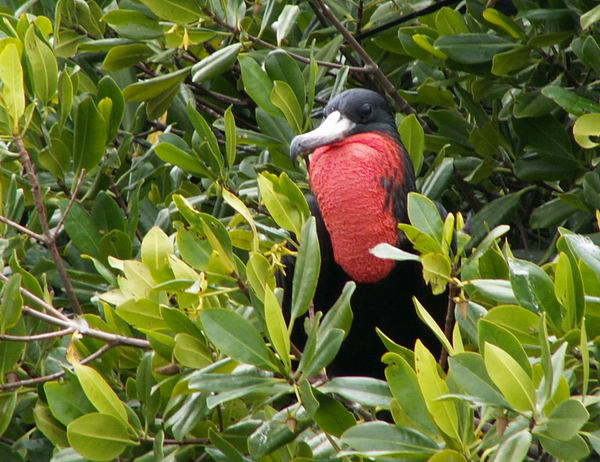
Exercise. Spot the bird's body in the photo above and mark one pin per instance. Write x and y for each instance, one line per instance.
(360, 176)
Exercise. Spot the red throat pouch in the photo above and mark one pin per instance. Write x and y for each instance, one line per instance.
(349, 181)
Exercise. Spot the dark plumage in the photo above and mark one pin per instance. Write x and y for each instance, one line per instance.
(360, 176)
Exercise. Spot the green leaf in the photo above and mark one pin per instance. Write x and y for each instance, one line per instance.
(280, 66)
(238, 205)
(8, 403)
(514, 448)
(90, 136)
(284, 98)
(228, 450)
(382, 439)
(385, 250)
(107, 88)
(586, 127)
(503, 22)
(258, 85)
(571, 450)
(510, 378)
(520, 321)
(170, 153)
(191, 351)
(67, 401)
(104, 399)
(567, 419)
(156, 86)
(534, 288)
(506, 62)
(326, 350)
(260, 274)
(51, 429)
(332, 416)
(437, 271)
(156, 249)
(339, 316)
(443, 412)
(123, 56)
(11, 76)
(590, 17)
(467, 370)
(178, 11)
(11, 306)
(473, 48)
(82, 231)
(65, 95)
(425, 216)
(570, 101)
(448, 21)
(413, 138)
(306, 271)
(236, 337)
(276, 327)
(205, 141)
(432, 324)
(286, 21)
(497, 335)
(43, 65)
(230, 137)
(405, 389)
(98, 436)
(363, 390)
(216, 63)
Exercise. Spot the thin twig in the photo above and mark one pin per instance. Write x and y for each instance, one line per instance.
(41, 209)
(48, 378)
(448, 325)
(37, 337)
(171, 441)
(72, 201)
(396, 22)
(23, 229)
(83, 328)
(388, 86)
(297, 57)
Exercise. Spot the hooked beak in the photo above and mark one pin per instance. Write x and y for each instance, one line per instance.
(334, 128)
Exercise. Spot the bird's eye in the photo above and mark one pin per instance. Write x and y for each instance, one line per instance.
(365, 111)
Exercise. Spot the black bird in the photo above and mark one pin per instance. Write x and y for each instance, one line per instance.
(360, 175)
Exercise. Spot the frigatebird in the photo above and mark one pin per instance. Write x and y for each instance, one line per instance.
(360, 175)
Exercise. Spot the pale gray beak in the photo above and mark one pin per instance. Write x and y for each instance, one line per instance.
(334, 128)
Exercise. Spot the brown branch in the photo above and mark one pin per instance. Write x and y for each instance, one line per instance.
(37, 337)
(72, 201)
(387, 85)
(41, 209)
(82, 328)
(396, 22)
(48, 378)
(297, 57)
(23, 229)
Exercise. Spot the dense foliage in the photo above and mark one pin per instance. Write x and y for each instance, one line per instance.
(148, 201)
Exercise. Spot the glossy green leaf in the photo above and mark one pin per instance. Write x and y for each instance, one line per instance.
(83, 232)
(573, 449)
(67, 401)
(510, 378)
(230, 137)
(590, 17)
(570, 101)
(497, 335)
(450, 22)
(235, 337)
(306, 272)
(473, 48)
(170, 153)
(586, 127)
(332, 416)
(43, 65)
(11, 306)
(11, 75)
(514, 448)
(178, 11)
(413, 138)
(90, 136)
(503, 22)
(286, 21)
(276, 327)
(520, 321)
(51, 429)
(123, 56)
(156, 86)
(98, 436)
(258, 85)
(284, 98)
(280, 66)
(99, 393)
(363, 390)
(216, 63)
(425, 216)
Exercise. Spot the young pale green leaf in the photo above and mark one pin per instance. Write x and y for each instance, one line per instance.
(156, 249)
(503, 22)
(306, 271)
(590, 17)
(44, 73)
(89, 136)
(104, 399)
(284, 98)
(510, 378)
(495, 334)
(260, 274)
(178, 11)
(567, 419)
(467, 370)
(332, 416)
(280, 66)
(421, 241)
(108, 88)
(11, 306)
(284, 200)
(238, 205)
(514, 448)
(230, 137)
(236, 337)
(98, 436)
(67, 401)
(585, 128)
(432, 324)
(276, 327)
(286, 21)
(13, 91)
(432, 386)
(405, 389)
(216, 63)
(437, 271)
(382, 439)
(385, 250)
(413, 138)
(258, 85)
(191, 351)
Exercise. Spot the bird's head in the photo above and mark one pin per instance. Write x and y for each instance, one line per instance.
(349, 113)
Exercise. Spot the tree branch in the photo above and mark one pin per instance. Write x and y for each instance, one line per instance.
(23, 229)
(69, 205)
(47, 378)
(41, 209)
(34, 338)
(402, 19)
